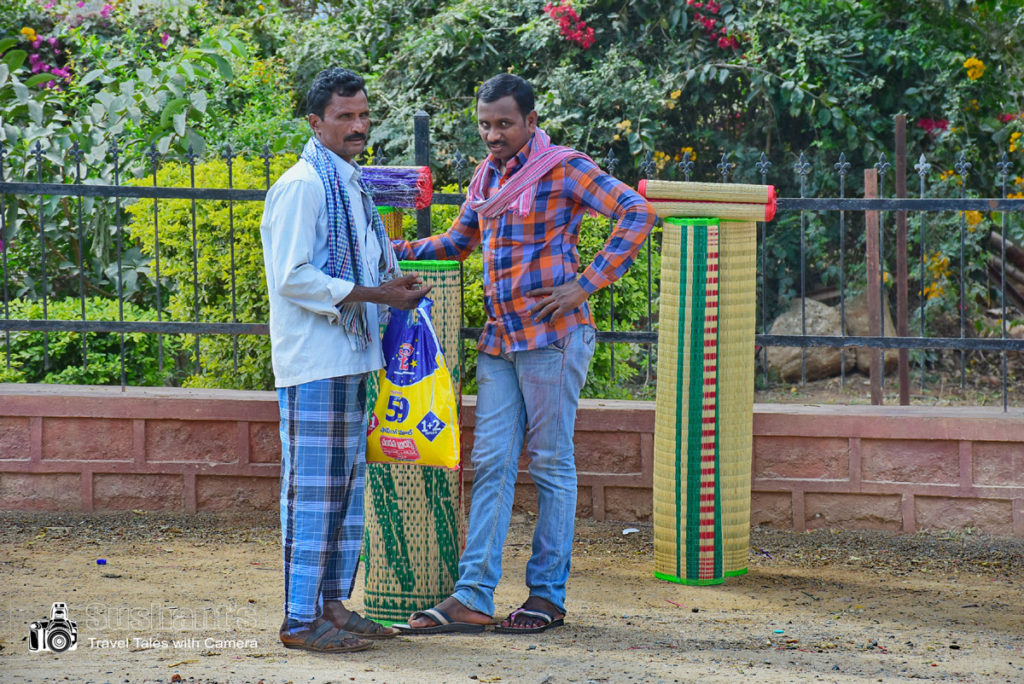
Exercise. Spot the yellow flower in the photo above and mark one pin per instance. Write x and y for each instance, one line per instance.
(661, 160)
(670, 104)
(946, 175)
(1013, 140)
(1016, 195)
(684, 150)
(973, 104)
(938, 264)
(676, 94)
(1018, 180)
(625, 125)
(973, 217)
(975, 68)
(29, 33)
(260, 7)
(616, 137)
(933, 291)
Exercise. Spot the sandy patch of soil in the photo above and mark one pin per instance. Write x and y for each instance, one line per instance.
(198, 599)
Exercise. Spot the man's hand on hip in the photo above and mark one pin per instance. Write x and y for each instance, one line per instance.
(557, 301)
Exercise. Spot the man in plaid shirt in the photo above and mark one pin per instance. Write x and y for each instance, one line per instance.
(524, 207)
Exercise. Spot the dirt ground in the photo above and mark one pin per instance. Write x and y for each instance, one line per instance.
(198, 599)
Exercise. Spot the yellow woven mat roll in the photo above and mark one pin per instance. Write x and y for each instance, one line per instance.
(707, 192)
(447, 311)
(415, 524)
(687, 525)
(737, 315)
(411, 545)
(722, 210)
(392, 222)
(705, 381)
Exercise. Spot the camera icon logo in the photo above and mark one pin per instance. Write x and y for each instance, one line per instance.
(58, 634)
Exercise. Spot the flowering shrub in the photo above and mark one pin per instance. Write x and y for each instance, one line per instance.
(46, 56)
(933, 126)
(713, 25)
(570, 25)
(975, 68)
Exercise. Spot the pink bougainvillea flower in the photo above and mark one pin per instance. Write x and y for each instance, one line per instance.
(81, 3)
(933, 125)
(164, 39)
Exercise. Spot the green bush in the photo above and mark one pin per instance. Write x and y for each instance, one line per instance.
(29, 363)
(220, 252)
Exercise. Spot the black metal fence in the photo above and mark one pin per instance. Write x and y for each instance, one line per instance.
(835, 215)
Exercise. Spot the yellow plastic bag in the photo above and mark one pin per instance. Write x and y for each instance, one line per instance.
(415, 418)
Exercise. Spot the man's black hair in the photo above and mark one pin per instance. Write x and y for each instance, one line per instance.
(344, 82)
(503, 85)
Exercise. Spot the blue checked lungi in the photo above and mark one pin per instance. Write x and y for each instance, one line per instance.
(323, 470)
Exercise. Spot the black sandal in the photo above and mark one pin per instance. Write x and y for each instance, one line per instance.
(547, 618)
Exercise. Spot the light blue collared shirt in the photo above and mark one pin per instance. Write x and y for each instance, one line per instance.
(307, 343)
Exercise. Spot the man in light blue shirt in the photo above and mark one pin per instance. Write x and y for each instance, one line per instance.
(330, 272)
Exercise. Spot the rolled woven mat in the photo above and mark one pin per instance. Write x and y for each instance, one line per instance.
(704, 408)
(740, 193)
(412, 539)
(732, 201)
(447, 312)
(415, 526)
(737, 309)
(411, 187)
(733, 211)
(392, 219)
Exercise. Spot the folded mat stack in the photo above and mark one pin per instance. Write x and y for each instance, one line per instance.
(730, 201)
(415, 527)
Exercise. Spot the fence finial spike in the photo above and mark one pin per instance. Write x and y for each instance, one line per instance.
(922, 166)
(883, 164)
(725, 167)
(802, 166)
(610, 162)
(762, 165)
(962, 166)
(1004, 165)
(842, 166)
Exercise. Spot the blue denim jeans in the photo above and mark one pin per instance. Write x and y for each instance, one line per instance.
(526, 396)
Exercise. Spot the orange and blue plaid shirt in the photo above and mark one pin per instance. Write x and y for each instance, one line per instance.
(521, 254)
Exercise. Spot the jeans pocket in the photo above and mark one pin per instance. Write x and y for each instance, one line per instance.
(561, 343)
(589, 337)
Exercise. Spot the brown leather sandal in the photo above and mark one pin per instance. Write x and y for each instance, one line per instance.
(323, 637)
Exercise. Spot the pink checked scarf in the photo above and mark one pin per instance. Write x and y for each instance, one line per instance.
(519, 192)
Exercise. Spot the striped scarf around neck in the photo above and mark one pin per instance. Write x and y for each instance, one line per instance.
(344, 259)
(520, 191)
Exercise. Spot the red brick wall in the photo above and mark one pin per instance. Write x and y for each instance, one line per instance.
(98, 448)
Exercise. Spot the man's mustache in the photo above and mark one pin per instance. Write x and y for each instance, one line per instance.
(355, 136)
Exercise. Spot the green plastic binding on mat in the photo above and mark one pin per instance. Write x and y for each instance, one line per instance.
(430, 265)
(690, 582)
